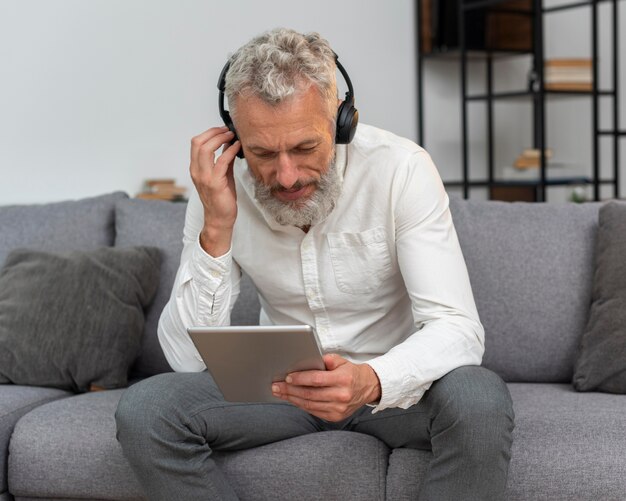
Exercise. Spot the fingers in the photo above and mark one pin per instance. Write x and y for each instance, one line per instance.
(204, 146)
(332, 361)
(226, 159)
(332, 404)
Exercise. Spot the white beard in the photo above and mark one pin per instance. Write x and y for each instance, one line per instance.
(298, 213)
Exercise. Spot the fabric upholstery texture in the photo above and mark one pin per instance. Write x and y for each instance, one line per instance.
(601, 363)
(84, 224)
(74, 319)
(405, 473)
(567, 445)
(15, 401)
(43, 459)
(78, 457)
(160, 224)
(279, 471)
(531, 268)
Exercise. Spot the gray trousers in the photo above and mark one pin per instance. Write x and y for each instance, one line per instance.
(169, 424)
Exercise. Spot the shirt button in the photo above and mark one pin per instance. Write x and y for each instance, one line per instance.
(215, 274)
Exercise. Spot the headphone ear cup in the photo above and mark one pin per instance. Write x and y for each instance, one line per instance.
(347, 120)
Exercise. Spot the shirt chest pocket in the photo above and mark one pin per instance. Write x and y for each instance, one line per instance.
(360, 261)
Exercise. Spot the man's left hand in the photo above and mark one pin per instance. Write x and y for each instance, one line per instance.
(333, 394)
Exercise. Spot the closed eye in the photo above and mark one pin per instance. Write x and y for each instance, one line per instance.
(305, 151)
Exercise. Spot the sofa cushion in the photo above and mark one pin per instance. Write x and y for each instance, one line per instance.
(73, 225)
(44, 459)
(602, 360)
(15, 401)
(566, 445)
(74, 320)
(531, 268)
(67, 449)
(406, 472)
(333, 465)
(160, 224)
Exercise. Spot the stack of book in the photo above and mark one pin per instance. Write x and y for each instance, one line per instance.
(568, 74)
(162, 189)
(531, 158)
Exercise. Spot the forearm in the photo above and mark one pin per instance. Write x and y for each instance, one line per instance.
(409, 369)
(203, 292)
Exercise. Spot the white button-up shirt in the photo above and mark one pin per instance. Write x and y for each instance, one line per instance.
(382, 279)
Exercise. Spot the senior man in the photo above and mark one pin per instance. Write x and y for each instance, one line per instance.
(354, 239)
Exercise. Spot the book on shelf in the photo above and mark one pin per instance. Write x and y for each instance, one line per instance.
(568, 74)
(531, 158)
(162, 189)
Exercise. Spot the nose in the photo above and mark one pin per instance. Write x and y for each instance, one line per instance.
(286, 171)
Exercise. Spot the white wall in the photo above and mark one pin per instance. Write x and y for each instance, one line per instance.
(97, 95)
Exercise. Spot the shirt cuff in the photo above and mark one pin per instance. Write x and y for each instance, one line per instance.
(397, 387)
(209, 271)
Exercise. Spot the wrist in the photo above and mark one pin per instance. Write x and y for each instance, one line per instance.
(373, 385)
(216, 241)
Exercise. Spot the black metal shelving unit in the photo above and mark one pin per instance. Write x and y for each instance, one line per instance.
(536, 92)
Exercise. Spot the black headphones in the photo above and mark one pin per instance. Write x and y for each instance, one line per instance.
(347, 115)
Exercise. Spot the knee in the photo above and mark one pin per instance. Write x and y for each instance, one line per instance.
(477, 398)
(136, 413)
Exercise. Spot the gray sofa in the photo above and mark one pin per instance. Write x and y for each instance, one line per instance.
(531, 267)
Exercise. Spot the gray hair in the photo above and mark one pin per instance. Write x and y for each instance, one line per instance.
(280, 63)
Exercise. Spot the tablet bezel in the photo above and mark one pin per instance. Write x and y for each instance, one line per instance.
(245, 360)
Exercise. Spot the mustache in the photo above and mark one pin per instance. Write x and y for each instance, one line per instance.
(277, 188)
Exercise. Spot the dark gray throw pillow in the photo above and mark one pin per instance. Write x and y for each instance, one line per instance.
(602, 359)
(74, 320)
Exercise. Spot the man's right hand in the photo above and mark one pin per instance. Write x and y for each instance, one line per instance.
(215, 183)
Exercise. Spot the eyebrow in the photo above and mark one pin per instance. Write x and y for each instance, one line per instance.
(304, 143)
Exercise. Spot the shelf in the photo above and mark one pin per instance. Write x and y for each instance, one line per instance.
(494, 3)
(474, 54)
(556, 8)
(538, 97)
(528, 93)
(558, 181)
(573, 5)
(612, 132)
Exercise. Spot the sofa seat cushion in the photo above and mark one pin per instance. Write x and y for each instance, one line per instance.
(331, 465)
(15, 401)
(67, 449)
(567, 445)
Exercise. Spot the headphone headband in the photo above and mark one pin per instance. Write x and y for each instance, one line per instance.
(347, 114)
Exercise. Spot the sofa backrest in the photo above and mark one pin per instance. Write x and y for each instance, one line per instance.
(160, 224)
(530, 265)
(84, 224)
(531, 268)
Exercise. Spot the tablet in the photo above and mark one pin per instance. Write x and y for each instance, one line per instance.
(245, 361)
